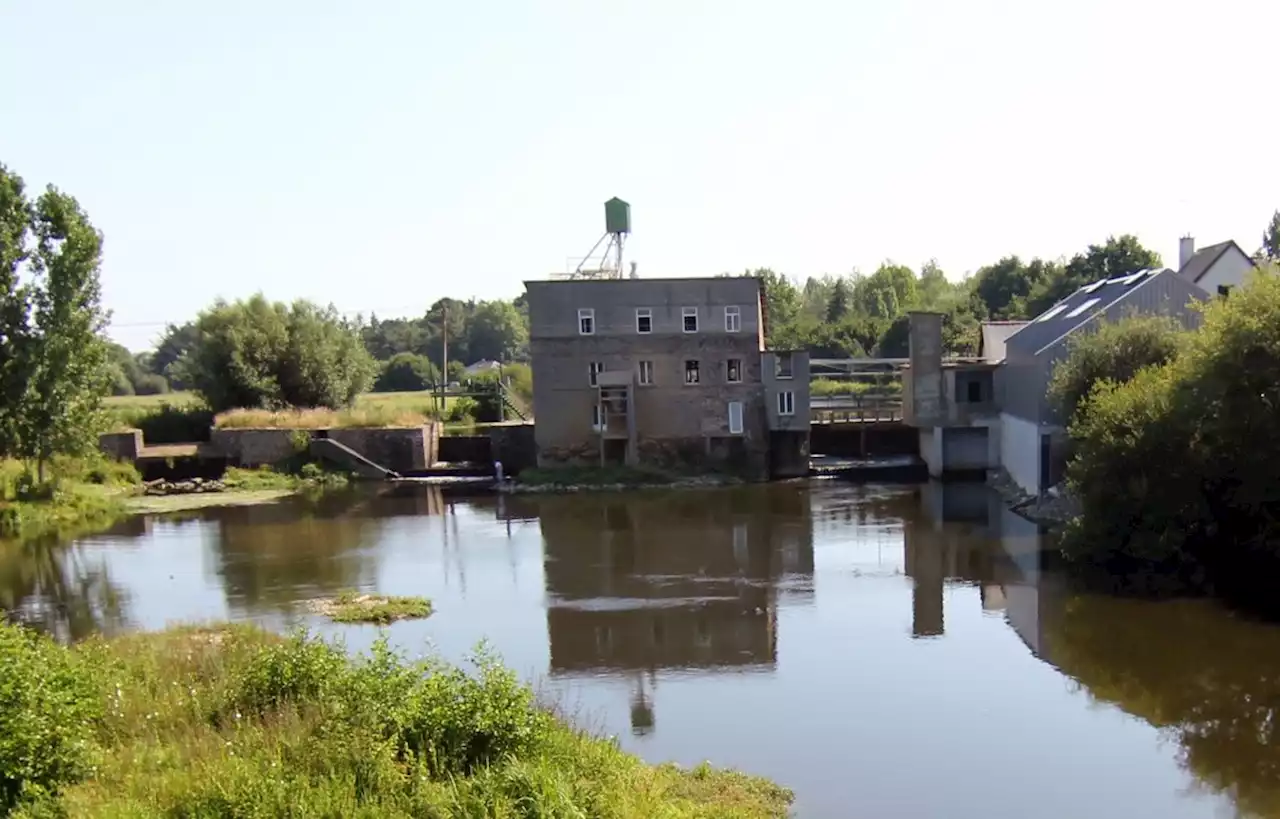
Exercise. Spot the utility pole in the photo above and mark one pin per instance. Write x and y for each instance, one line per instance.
(444, 356)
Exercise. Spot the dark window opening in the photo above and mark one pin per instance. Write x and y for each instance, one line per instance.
(691, 375)
(975, 392)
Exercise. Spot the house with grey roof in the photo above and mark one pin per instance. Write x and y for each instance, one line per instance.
(1032, 433)
(993, 411)
(1216, 269)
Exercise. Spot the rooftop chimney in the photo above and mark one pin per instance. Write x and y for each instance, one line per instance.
(634, 275)
(1186, 249)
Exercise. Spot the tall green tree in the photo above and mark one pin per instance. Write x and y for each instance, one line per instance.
(1118, 256)
(256, 353)
(496, 333)
(838, 304)
(15, 227)
(1271, 239)
(69, 373)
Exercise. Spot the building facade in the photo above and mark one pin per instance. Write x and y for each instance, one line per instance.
(664, 372)
(994, 411)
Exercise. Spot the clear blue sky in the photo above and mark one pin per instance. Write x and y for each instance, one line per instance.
(381, 155)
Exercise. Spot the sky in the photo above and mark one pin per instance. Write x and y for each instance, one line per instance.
(382, 155)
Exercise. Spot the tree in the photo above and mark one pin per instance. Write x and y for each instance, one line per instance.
(1177, 471)
(69, 373)
(1116, 257)
(1271, 240)
(782, 307)
(838, 304)
(256, 353)
(933, 288)
(15, 225)
(887, 293)
(1114, 353)
(167, 359)
(1005, 286)
(407, 372)
(496, 333)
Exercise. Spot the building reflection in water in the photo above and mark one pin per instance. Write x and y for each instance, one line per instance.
(965, 534)
(645, 583)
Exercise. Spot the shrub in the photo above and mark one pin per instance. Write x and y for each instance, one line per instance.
(260, 354)
(169, 423)
(406, 372)
(150, 384)
(461, 410)
(48, 705)
(298, 670)
(1115, 351)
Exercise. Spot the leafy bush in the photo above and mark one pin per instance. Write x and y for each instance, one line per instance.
(150, 384)
(1178, 470)
(169, 423)
(48, 705)
(461, 410)
(407, 372)
(234, 721)
(258, 354)
(1115, 351)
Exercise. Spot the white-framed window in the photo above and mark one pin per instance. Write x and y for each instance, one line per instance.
(644, 320)
(732, 318)
(586, 321)
(784, 369)
(733, 371)
(689, 319)
(692, 373)
(735, 417)
(593, 372)
(786, 402)
(646, 373)
(597, 418)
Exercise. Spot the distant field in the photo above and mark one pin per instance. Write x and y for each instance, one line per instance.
(391, 401)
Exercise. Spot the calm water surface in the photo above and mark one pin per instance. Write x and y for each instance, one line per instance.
(884, 652)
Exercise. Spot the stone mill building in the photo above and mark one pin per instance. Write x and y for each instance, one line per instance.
(664, 372)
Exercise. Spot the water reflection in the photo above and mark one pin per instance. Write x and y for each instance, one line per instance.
(702, 607)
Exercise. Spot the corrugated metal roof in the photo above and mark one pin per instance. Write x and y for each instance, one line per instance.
(994, 335)
(1076, 309)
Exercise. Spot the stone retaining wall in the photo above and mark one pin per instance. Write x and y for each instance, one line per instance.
(123, 446)
(250, 448)
(400, 449)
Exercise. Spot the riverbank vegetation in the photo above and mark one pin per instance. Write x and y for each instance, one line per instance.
(233, 721)
(1177, 470)
(76, 495)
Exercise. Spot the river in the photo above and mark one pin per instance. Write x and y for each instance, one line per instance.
(887, 652)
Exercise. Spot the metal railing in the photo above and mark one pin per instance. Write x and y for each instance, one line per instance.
(855, 409)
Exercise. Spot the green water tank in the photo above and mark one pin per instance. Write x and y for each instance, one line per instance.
(617, 216)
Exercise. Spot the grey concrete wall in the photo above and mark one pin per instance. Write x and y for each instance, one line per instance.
(798, 385)
(514, 446)
(925, 405)
(251, 448)
(399, 449)
(123, 446)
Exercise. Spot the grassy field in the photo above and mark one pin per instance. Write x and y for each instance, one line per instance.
(232, 721)
(420, 402)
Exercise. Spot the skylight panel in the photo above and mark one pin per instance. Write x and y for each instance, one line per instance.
(1084, 306)
(1051, 312)
(1089, 288)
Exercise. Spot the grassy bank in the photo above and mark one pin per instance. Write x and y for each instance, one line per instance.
(235, 722)
(77, 495)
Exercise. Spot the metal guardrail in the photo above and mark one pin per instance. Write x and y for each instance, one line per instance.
(855, 409)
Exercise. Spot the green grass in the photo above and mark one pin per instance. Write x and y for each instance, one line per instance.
(231, 721)
(352, 607)
(78, 495)
(875, 386)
